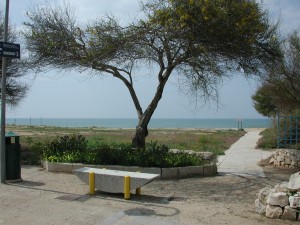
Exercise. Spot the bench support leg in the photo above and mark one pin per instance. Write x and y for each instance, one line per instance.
(127, 187)
(138, 191)
(92, 183)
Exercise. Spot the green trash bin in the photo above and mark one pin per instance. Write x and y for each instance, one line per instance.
(12, 155)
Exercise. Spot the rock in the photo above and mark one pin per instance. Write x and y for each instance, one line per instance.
(260, 207)
(294, 201)
(287, 161)
(294, 182)
(272, 160)
(205, 155)
(263, 194)
(278, 199)
(174, 151)
(276, 163)
(280, 188)
(273, 212)
(289, 214)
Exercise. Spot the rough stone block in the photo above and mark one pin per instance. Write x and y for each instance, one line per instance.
(273, 212)
(260, 207)
(289, 214)
(272, 160)
(276, 163)
(280, 188)
(263, 194)
(287, 161)
(278, 199)
(294, 182)
(280, 158)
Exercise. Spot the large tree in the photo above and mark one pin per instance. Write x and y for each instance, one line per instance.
(279, 92)
(199, 40)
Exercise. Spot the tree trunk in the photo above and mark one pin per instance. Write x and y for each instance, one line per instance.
(139, 140)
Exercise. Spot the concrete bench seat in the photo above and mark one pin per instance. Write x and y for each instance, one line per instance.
(112, 181)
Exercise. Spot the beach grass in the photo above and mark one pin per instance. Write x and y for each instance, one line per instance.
(213, 140)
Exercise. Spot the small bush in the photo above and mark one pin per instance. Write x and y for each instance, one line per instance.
(268, 139)
(75, 149)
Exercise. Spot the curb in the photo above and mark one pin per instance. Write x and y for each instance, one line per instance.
(165, 173)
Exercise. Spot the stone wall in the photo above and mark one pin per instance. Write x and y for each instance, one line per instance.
(288, 158)
(282, 201)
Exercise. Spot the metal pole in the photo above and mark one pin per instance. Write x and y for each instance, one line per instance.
(3, 100)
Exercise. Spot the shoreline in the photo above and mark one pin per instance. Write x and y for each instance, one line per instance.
(153, 124)
(133, 128)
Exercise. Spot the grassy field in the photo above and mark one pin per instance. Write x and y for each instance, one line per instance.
(196, 139)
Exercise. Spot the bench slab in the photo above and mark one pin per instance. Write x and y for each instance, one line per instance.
(112, 181)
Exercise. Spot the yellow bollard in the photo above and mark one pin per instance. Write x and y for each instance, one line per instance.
(138, 191)
(127, 187)
(92, 182)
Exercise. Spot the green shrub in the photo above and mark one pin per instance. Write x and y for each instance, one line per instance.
(75, 149)
(268, 139)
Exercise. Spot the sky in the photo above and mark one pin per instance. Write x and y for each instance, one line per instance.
(73, 94)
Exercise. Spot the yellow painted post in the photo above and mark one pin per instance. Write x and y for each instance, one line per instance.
(127, 187)
(138, 191)
(92, 182)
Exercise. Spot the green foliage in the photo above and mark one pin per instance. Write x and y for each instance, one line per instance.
(201, 40)
(268, 139)
(264, 101)
(65, 149)
(74, 149)
(279, 92)
(238, 30)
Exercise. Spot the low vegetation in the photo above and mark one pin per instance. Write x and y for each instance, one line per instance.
(113, 146)
(268, 139)
(75, 149)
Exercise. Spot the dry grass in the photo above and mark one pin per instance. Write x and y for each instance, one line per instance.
(197, 139)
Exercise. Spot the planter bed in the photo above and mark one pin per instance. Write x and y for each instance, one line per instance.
(165, 173)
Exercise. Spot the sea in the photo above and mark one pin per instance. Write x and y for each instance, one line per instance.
(131, 123)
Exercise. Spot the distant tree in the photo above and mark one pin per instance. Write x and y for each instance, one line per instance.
(280, 89)
(264, 101)
(16, 90)
(199, 40)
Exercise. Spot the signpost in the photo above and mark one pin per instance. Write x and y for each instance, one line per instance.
(9, 50)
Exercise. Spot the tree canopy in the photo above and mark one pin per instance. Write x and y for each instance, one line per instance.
(199, 40)
(280, 90)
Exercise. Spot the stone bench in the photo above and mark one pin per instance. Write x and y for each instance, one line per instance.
(113, 181)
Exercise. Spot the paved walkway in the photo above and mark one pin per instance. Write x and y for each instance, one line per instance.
(242, 157)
